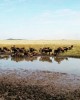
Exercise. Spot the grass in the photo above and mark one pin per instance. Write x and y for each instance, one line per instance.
(75, 52)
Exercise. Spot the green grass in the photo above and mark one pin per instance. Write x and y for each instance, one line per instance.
(75, 52)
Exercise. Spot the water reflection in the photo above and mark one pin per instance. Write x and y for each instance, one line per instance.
(60, 59)
(41, 63)
(31, 58)
(4, 57)
(45, 58)
(41, 58)
(18, 59)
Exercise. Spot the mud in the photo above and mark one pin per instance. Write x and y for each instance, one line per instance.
(38, 85)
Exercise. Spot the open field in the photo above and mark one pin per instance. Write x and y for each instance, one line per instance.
(75, 52)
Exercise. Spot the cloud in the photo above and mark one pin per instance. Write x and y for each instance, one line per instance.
(59, 16)
(62, 23)
(49, 24)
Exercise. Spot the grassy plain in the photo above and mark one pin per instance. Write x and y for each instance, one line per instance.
(75, 52)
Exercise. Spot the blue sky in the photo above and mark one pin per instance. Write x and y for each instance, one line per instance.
(40, 19)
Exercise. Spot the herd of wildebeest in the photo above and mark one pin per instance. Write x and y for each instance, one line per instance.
(21, 52)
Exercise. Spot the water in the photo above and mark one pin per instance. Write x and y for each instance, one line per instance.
(53, 64)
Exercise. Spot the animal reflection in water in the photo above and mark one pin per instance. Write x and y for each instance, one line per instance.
(41, 58)
(45, 58)
(18, 59)
(6, 57)
(60, 59)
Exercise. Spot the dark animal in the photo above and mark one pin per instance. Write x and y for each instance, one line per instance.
(65, 49)
(17, 54)
(45, 50)
(13, 49)
(21, 50)
(58, 51)
(6, 49)
(32, 49)
(2, 51)
(70, 47)
(61, 49)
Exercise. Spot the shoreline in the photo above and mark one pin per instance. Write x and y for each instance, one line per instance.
(38, 85)
(60, 56)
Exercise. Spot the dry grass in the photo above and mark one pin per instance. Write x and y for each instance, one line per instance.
(75, 52)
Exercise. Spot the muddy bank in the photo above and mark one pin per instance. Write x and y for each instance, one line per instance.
(38, 85)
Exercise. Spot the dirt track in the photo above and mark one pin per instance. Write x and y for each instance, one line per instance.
(29, 85)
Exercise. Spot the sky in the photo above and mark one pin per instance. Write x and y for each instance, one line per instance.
(40, 19)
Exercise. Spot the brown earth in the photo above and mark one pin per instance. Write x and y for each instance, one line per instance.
(38, 85)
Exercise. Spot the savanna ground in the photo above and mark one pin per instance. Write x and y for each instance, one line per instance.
(40, 85)
(37, 44)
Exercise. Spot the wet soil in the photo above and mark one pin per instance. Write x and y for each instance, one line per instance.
(38, 85)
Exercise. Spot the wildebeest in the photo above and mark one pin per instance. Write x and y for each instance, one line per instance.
(45, 50)
(30, 52)
(6, 50)
(17, 54)
(58, 50)
(16, 49)
(13, 49)
(61, 49)
(2, 51)
(32, 49)
(21, 50)
(65, 49)
(70, 47)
